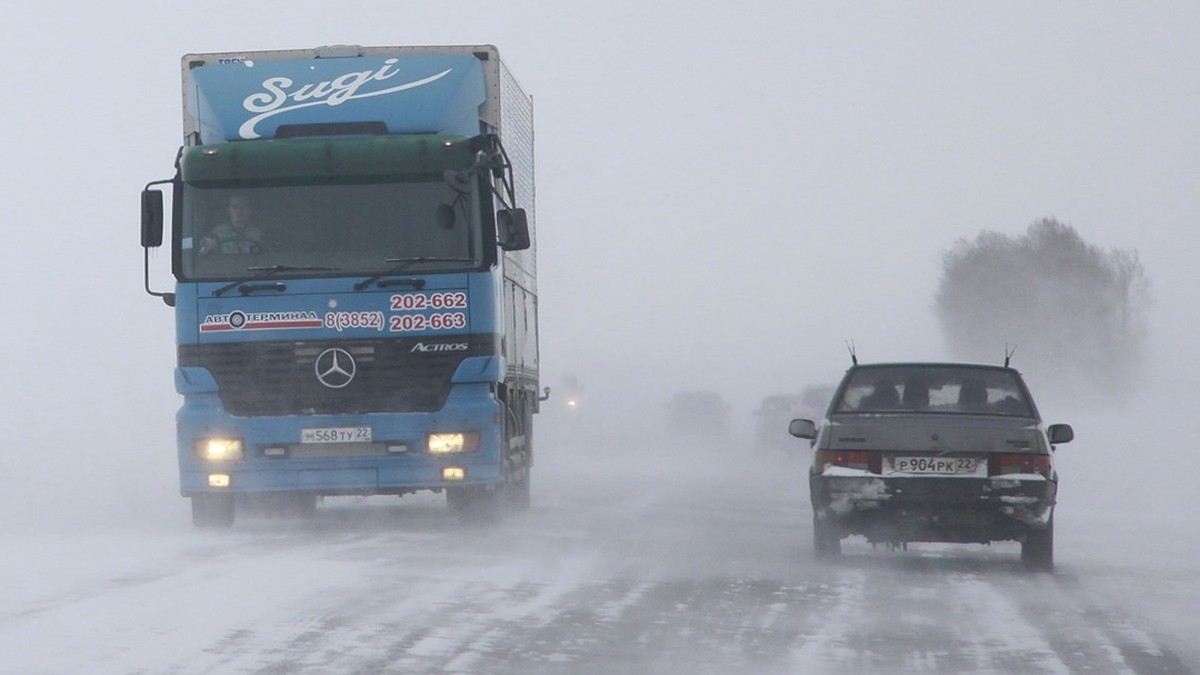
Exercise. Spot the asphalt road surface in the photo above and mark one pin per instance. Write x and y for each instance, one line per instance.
(630, 561)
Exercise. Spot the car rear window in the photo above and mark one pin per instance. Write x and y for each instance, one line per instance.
(934, 389)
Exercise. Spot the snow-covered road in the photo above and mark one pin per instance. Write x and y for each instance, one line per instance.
(637, 563)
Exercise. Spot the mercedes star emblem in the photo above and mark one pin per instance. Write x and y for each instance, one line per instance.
(334, 367)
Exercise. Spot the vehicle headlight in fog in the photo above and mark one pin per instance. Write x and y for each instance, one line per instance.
(220, 449)
(445, 444)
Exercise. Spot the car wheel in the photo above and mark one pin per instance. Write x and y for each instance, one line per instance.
(212, 511)
(1037, 551)
(827, 543)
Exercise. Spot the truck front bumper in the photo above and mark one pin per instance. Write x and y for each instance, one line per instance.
(396, 459)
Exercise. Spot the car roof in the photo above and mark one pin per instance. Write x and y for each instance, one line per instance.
(967, 364)
(935, 364)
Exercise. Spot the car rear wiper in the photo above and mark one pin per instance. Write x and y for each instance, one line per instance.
(264, 272)
(403, 264)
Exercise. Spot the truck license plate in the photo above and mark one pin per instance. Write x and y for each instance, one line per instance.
(955, 466)
(336, 435)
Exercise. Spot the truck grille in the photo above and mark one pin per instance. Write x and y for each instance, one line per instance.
(279, 378)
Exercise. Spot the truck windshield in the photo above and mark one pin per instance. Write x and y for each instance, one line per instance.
(348, 229)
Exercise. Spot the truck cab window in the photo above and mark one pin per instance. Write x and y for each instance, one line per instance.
(354, 228)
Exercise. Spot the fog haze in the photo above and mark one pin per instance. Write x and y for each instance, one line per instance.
(726, 196)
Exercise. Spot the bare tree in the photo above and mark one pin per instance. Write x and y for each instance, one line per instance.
(1075, 311)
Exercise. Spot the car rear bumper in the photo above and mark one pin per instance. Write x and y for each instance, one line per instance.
(945, 509)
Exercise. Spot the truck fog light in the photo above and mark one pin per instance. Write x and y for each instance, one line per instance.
(218, 480)
(275, 452)
(220, 449)
(444, 444)
(453, 473)
(397, 449)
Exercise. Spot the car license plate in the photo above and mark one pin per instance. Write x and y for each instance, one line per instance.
(336, 435)
(952, 466)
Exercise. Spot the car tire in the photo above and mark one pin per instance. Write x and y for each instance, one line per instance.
(1037, 551)
(211, 512)
(827, 543)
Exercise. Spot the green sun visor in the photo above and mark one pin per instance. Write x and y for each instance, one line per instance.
(325, 160)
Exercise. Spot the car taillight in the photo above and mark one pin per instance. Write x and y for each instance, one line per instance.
(1008, 464)
(851, 459)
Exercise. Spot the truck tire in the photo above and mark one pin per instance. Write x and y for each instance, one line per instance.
(475, 504)
(827, 543)
(516, 494)
(456, 499)
(211, 512)
(300, 506)
(518, 457)
(1037, 551)
(308, 506)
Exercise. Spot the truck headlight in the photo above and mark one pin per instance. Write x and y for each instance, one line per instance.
(445, 444)
(220, 449)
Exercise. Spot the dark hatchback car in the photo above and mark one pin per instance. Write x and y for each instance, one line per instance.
(941, 452)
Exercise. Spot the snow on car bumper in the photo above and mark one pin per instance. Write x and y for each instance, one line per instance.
(950, 509)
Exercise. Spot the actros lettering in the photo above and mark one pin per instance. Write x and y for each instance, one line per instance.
(443, 347)
(282, 94)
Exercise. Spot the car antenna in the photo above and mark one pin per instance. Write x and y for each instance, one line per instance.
(1008, 354)
(853, 356)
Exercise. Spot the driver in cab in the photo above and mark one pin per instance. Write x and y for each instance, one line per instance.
(236, 234)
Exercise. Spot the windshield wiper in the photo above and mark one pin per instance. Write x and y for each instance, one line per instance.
(405, 263)
(264, 272)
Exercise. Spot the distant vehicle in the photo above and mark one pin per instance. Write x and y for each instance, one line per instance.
(571, 392)
(814, 400)
(777, 410)
(772, 416)
(943, 452)
(700, 415)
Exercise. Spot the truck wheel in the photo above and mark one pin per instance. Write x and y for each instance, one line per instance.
(456, 499)
(475, 504)
(212, 511)
(1037, 551)
(516, 494)
(302, 506)
(310, 506)
(827, 543)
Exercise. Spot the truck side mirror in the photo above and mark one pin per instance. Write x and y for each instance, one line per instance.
(152, 218)
(512, 229)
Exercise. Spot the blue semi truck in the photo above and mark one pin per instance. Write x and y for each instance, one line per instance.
(352, 240)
